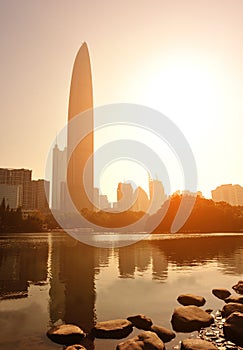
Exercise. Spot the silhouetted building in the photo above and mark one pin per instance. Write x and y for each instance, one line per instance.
(103, 202)
(96, 198)
(18, 177)
(124, 196)
(39, 195)
(59, 169)
(100, 201)
(157, 195)
(141, 201)
(12, 195)
(80, 100)
(232, 194)
(192, 194)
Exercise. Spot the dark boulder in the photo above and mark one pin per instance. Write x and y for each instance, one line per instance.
(114, 329)
(209, 311)
(75, 347)
(221, 293)
(66, 334)
(143, 341)
(233, 328)
(230, 308)
(197, 344)
(191, 299)
(141, 321)
(238, 288)
(234, 299)
(190, 318)
(163, 333)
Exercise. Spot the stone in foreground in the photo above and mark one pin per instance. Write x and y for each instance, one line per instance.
(234, 299)
(75, 347)
(231, 307)
(141, 321)
(191, 299)
(238, 288)
(221, 293)
(190, 318)
(165, 334)
(233, 328)
(113, 329)
(143, 341)
(66, 334)
(197, 344)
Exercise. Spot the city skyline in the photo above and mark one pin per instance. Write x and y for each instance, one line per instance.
(186, 63)
(230, 193)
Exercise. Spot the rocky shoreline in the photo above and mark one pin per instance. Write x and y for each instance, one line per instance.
(217, 329)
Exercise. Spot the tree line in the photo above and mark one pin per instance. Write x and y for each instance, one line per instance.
(206, 216)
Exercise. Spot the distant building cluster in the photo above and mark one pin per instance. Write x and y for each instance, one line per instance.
(128, 198)
(19, 190)
(132, 199)
(232, 194)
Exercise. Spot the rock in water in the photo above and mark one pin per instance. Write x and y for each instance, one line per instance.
(238, 288)
(234, 299)
(197, 344)
(114, 329)
(191, 299)
(141, 321)
(233, 328)
(231, 307)
(143, 341)
(221, 293)
(163, 333)
(66, 334)
(190, 318)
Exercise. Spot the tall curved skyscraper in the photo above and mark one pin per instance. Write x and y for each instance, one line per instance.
(80, 101)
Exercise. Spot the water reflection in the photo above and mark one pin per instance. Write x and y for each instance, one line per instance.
(73, 270)
(21, 265)
(227, 251)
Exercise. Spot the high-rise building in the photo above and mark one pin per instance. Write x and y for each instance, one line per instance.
(157, 195)
(141, 201)
(232, 194)
(12, 194)
(39, 195)
(103, 202)
(59, 170)
(96, 198)
(79, 151)
(124, 196)
(18, 177)
(20, 191)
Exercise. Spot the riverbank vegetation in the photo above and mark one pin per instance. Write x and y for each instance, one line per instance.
(206, 216)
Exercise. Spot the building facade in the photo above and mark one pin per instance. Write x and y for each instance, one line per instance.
(232, 194)
(39, 195)
(157, 195)
(18, 177)
(19, 190)
(12, 194)
(59, 170)
(80, 132)
(124, 196)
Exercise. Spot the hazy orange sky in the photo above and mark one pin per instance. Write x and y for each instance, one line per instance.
(183, 58)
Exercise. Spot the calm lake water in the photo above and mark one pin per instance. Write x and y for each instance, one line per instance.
(51, 278)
